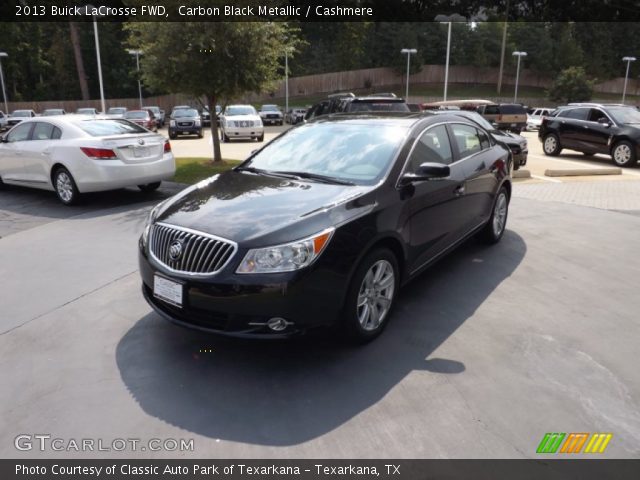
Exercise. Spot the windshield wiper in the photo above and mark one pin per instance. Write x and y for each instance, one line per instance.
(249, 169)
(314, 176)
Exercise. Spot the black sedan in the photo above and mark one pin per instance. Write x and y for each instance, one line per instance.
(324, 224)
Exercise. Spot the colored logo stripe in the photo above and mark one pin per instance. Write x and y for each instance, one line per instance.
(550, 442)
(574, 443)
(598, 443)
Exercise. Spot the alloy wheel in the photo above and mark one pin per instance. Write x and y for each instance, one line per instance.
(64, 186)
(375, 295)
(500, 214)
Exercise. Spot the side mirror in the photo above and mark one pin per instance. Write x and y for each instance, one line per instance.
(426, 171)
(4, 139)
(604, 121)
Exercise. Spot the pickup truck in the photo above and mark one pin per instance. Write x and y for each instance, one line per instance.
(505, 116)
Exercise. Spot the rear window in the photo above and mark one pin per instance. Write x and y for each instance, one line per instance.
(136, 115)
(22, 113)
(103, 128)
(512, 110)
(576, 113)
(377, 107)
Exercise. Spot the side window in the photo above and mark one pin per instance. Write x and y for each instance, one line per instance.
(433, 146)
(484, 140)
(20, 133)
(57, 133)
(42, 131)
(576, 113)
(596, 114)
(492, 110)
(467, 139)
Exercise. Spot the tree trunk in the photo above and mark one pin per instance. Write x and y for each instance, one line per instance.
(211, 101)
(77, 52)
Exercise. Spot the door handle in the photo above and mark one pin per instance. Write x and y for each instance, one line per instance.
(459, 190)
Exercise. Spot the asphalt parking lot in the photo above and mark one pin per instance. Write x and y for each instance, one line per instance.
(485, 353)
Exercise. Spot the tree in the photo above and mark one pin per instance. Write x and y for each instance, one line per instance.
(217, 61)
(571, 85)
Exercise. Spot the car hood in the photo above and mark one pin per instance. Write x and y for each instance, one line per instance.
(508, 137)
(246, 207)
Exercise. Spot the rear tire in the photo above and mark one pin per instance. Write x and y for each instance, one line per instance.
(65, 187)
(623, 154)
(551, 145)
(149, 187)
(495, 227)
(200, 134)
(173, 136)
(371, 296)
(260, 138)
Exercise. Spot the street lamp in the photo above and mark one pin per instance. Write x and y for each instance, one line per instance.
(409, 52)
(626, 76)
(97, 40)
(519, 55)
(449, 19)
(286, 80)
(137, 53)
(4, 92)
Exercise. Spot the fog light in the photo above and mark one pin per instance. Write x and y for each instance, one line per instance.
(278, 324)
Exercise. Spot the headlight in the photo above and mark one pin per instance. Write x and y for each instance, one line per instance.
(198, 122)
(285, 258)
(259, 123)
(172, 123)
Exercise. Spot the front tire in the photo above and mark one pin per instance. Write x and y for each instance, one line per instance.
(65, 187)
(200, 134)
(371, 296)
(624, 154)
(149, 187)
(551, 145)
(260, 138)
(495, 227)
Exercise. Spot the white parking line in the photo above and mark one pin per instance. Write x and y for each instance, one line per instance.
(546, 179)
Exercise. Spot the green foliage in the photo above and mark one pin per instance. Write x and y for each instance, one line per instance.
(572, 85)
(193, 169)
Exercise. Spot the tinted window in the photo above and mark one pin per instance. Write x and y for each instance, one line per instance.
(433, 146)
(57, 133)
(241, 110)
(20, 133)
(512, 109)
(491, 110)
(484, 140)
(576, 113)
(467, 139)
(42, 131)
(102, 128)
(358, 153)
(377, 107)
(270, 108)
(186, 112)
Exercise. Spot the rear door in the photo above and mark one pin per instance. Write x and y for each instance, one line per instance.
(595, 135)
(571, 123)
(37, 152)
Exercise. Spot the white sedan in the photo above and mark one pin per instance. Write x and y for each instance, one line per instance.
(241, 121)
(72, 155)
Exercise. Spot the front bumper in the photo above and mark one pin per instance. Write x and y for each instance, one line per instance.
(272, 121)
(520, 157)
(240, 305)
(191, 129)
(244, 132)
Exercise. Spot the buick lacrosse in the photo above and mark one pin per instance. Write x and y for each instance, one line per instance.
(72, 155)
(324, 224)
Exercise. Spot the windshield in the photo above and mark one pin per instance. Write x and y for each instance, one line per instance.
(89, 111)
(136, 115)
(269, 108)
(116, 110)
(21, 113)
(53, 112)
(103, 128)
(154, 109)
(479, 119)
(625, 114)
(186, 112)
(240, 110)
(359, 153)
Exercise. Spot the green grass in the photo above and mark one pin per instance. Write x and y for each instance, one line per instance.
(193, 169)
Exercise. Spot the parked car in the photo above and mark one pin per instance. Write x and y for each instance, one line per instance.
(590, 128)
(271, 114)
(241, 121)
(158, 114)
(3, 120)
(348, 102)
(516, 143)
(87, 111)
(18, 116)
(73, 155)
(116, 112)
(295, 115)
(511, 117)
(323, 225)
(49, 112)
(185, 121)
(180, 107)
(206, 115)
(144, 118)
(534, 118)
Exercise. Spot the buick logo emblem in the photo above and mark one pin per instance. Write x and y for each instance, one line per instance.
(175, 250)
(140, 142)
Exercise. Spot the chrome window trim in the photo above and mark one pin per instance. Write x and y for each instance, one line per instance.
(166, 267)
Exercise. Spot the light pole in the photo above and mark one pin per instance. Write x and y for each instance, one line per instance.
(626, 76)
(95, 34)
(448, 19)
(286, 80)
(519, 55)
(409, 52)
(4, 92)
(137, 53)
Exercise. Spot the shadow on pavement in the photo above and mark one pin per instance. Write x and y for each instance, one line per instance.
(286, 393)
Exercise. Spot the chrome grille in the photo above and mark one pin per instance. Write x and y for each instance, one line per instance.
(201, 253)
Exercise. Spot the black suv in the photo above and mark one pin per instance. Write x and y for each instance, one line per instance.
(349, 103)
(590, 128)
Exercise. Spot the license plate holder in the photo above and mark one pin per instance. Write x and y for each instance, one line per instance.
(168, 290)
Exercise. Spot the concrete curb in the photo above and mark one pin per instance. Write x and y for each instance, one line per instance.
(578, 172)
(521, 174)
